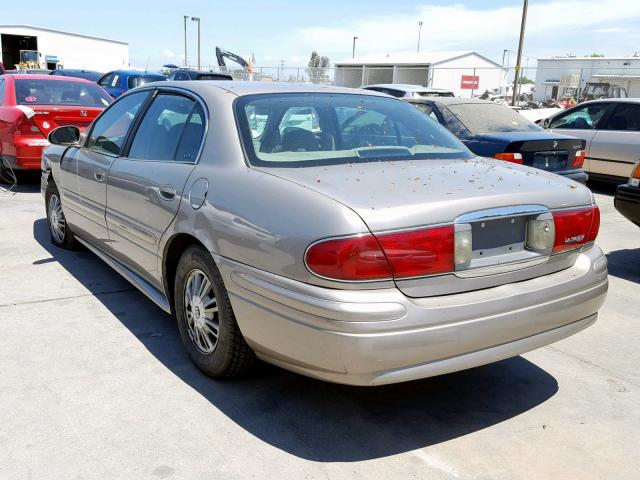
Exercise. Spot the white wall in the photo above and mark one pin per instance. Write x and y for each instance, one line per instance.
(448, 75)
(553, 69)
(76, 51)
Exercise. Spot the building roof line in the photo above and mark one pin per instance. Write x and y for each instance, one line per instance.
(64, 33)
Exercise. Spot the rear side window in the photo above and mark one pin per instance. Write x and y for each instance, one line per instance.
(626, 117)
(582, 118)
(171, 130)
(110, 129)
(60, 92)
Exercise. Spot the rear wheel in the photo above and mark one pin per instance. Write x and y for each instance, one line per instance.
(59, 230)
(208, 327)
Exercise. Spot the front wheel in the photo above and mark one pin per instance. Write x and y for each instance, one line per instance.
(207, 325)
(61, 235)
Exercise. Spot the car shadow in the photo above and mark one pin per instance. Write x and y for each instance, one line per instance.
(625, 264)
(602, 187)
(316, 420)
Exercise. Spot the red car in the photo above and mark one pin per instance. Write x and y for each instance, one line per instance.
(33, 105)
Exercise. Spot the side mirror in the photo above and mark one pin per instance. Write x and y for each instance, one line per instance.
(67, 135)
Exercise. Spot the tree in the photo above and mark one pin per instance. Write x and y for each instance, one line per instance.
(525, 80)
(596, 55)
(317, 68)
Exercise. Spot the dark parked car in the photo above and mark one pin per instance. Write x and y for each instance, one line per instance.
(90, 75)
(627, 199)
(120, 81)
(492, 130)
(184, 74)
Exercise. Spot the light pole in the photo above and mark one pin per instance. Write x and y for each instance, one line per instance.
(186, 17)
(419, 32)
(516, 77)
(353, 50)
(197, 19)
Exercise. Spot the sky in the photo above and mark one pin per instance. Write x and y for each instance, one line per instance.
(287, 31)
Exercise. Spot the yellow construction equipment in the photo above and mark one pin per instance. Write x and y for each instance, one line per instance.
(29, 59)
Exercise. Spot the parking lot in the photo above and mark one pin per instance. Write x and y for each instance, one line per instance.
(95, 383)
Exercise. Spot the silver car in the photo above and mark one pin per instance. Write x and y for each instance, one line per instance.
(338, 233)
(611, 128)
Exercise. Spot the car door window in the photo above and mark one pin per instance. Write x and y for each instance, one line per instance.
(106, 80)
(110, 129)
(625, 117)
(582, 118)
(171, 130)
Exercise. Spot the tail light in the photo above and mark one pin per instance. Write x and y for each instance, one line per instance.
(575, 228)
(26, 126)
(510, 157)
(437, 250)
(384, 256)
(578, 160)
(634, 180)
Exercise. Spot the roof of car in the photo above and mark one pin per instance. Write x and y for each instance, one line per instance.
(242, 88)
(201, 72)
(625, 100)
(40, 76)
(137, 72)
(407, 87)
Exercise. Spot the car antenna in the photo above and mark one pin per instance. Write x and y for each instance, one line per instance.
(147, 65)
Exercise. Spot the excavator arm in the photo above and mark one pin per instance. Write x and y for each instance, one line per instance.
(222, 54)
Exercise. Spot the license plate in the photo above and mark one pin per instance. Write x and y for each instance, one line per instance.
(550, 160)
(498, 236)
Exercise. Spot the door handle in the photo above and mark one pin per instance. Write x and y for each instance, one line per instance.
(167, 192)
(99, 175)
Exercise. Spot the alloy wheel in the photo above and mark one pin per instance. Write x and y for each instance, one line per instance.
(57, 223)
(201, 311)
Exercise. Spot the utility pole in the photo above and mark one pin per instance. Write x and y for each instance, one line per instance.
(185, 40)
(516, 77)
(197, 19)
(419, 32)
(353, 50)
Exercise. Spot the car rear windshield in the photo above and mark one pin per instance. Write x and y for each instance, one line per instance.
(138, 80)
(308, 129)
(212, 76)
(491, 117)
(60, 92)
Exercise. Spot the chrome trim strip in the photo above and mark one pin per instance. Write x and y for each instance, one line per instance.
(500, 212)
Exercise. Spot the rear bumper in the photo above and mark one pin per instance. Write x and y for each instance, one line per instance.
(28, 152)
(627, 202)
(374, 337)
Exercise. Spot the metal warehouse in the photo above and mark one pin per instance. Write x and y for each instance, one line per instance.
(61, 49)
(464, 73)
(560, 76)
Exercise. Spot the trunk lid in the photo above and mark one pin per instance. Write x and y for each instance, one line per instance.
(404, 194)
(50, 117)
(408, 194)
(541, 150)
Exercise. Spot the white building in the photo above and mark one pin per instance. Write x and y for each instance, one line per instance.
(465, 73)
(62, 49)
(563, 75)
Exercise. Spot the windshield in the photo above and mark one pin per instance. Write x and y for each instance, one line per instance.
(491, 117)
(300, 129)
(60, 92)
(138, 80)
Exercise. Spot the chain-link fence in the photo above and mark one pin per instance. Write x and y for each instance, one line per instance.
(548, 86)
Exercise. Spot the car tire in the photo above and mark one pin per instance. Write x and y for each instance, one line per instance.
(59, 231)
(206, 321)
